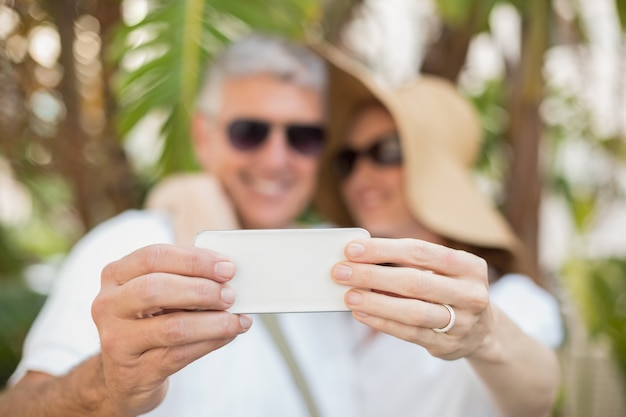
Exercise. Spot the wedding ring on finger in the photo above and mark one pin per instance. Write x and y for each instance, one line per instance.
(450, 323)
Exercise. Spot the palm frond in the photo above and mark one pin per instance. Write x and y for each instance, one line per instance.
(620, 6)
(176, 39)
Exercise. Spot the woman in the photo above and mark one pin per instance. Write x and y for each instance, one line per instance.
(399, 165)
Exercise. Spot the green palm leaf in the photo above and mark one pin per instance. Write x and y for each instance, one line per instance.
(179, 38)
(620, 6)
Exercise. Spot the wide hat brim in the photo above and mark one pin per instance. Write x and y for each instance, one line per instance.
(440, 138)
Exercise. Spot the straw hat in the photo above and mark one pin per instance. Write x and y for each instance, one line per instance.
(440, 136)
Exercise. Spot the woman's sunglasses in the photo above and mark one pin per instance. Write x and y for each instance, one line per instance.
(249, 134)
(386, 151)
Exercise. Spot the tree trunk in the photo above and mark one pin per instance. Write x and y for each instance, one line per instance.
(69, 153)
(336, 15)
(446, 57)
(524, 133)
(104, 184)
(121, 183)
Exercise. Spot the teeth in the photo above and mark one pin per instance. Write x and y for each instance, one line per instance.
(269, 187)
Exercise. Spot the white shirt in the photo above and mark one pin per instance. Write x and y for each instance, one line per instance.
(349, 373)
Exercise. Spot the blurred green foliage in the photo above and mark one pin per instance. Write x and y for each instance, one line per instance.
(18, 307)
(599, 285)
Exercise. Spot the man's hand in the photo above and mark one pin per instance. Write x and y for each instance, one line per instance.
(159, 309)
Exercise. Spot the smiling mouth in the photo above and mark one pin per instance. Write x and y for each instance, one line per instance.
(269, 188)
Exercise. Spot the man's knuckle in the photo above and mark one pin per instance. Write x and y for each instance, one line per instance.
(150, 257)
(173, 330)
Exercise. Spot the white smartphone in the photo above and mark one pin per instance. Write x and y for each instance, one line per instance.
(283, 270)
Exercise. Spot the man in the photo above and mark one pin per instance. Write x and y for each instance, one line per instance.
(258, 132)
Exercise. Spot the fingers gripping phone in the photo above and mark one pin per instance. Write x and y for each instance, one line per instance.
(283, 270)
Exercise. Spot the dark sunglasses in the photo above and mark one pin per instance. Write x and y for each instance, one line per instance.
(249, 134)
(385, 151)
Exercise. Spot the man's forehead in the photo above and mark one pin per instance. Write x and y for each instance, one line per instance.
(265, 95)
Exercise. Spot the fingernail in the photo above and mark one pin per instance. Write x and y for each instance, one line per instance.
(342, 272)
(224, 269)
(354, 298)
(245, 321)
(228, 295)
(355, 250)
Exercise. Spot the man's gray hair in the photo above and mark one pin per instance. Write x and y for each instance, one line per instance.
(262, 54)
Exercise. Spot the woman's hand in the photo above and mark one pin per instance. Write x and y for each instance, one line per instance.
(407, 299)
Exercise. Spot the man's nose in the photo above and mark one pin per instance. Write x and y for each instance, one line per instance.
(275, 151)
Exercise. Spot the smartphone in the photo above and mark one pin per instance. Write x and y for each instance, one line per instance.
(283, 270)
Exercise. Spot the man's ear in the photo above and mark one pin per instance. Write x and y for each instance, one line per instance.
(201, 132)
